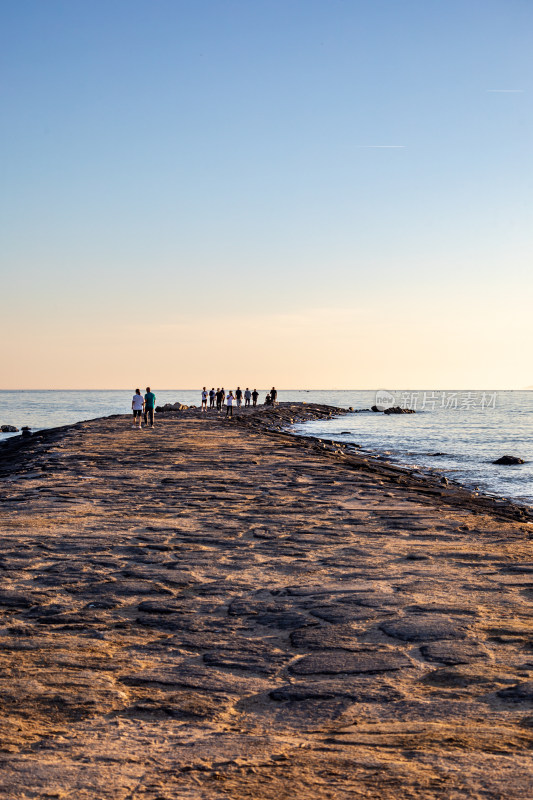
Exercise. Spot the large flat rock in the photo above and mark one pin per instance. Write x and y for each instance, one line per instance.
(334, 663)
(415, 628)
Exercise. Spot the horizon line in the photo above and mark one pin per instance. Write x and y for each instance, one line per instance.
(327, 389)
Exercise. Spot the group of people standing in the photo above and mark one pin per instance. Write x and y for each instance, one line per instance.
(143, 406)
(218, 397)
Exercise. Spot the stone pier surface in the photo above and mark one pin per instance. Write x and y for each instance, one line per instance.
(214, 609)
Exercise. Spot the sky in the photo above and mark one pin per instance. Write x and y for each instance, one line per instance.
(306, 193)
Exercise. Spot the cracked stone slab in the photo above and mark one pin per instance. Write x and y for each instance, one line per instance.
(377, 600)
(158, 607)
(283, 620)
(129, 588)
(421, 628)
(254, 657)
(519, 693)
(442, 608)
(16, 599)
(455, 652)
(342, 637)
(337, 613)
(176, 622)
(477, 676)
(196, 676)
(360, 690)
(334, 663)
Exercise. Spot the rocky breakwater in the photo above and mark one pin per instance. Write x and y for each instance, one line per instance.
(393, 410)
(281, 416)
(168, 407)
(214, 608)
(276, 421)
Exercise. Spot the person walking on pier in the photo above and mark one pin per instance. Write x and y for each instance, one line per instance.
(229, 404)
(149, 407)
(137, 405)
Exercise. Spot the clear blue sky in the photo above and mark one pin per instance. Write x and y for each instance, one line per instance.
(172, 166)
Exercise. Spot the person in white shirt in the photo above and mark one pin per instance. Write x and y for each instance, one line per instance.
(137, 405)
(229, 404)
(204, 399)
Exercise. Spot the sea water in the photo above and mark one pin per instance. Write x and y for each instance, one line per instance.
(456, 434)
(469, 430)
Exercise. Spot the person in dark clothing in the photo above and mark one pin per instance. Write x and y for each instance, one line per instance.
(255, 395)
(212, 398)
(238, 396)
(273, 396)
